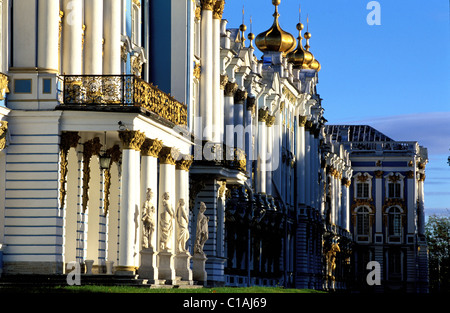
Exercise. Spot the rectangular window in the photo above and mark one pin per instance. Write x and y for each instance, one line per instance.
(362, 190)
(394, 190)
(22, 86)
(363, 224)
(47, 86)
(394, 224)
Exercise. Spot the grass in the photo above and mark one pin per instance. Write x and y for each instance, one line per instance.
(128, 289)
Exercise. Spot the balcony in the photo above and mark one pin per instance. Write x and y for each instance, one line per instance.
(119, 93)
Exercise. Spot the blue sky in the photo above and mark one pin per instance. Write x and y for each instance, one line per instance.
(394, 76)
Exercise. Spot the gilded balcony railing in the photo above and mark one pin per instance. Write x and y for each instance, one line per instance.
(121, 91)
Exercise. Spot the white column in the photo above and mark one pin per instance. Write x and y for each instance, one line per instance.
(230, 89)
(93, 47)
(206, 80)
(130, 197)
(313, 167)
(48, 34)
(249, 147)
(421, 208)
(111, 29)
(378, 202)
(262, 151)
(217, 115)
(72, 37)
(346, 204)
(239, 102)
(301, 165)
(270, 143)
(411, 202)
(307, 166)
(149, 167)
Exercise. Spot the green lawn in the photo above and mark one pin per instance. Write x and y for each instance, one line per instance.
(127, 289)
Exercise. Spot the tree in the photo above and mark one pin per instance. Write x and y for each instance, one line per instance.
(438, 237)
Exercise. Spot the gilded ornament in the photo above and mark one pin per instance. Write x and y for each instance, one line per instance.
(185, 163)
(154, 100)
(251, 104)
(230, 89)
(91, 147)
(346, 182)
(197, 70)
(137, 3)
(289, 95)
(262, 115)
(198, 13)
(3, 133)
(115, 155)
(275, 39)
(302, 120)
(270, 120)
(208, 4)
(240, 96)
(132, 139)
(410, 174)
(4, 81)
(136, 65)
(218, 9)
(124, 52)
(223, 81)
(151, 147)
(379, 174)
(68, 140)
(168, 155)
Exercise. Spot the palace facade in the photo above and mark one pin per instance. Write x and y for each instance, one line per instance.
(146, 139)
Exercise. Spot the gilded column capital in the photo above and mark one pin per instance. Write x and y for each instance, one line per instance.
(230, 89)
(184, 163)
(223, 81)
(308, 125)
(69, 140)
(219, 6)
(302, 120)
(132, 139)
(262, 115)
(208, 4)
(379, 174)
(410, 174)
(251, 104)
(168, 155)
(240, 96)
(270, 120)
(3, 132)
(151, 147)
(346, 182)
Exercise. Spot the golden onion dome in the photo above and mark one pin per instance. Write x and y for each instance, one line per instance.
(299, 57)
(314, 65)
(275, 39)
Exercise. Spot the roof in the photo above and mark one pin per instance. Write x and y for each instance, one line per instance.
(355, 133)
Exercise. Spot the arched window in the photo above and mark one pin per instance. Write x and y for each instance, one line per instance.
(362, 221)
(394, 221)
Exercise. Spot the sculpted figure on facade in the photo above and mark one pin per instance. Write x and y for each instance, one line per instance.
(202, 230)
(148, 219)
(166, 222)
(183, 222)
